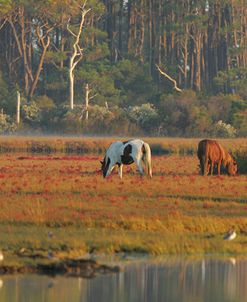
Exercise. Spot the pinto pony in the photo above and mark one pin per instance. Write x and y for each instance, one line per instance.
(125, 153)
(211, 153)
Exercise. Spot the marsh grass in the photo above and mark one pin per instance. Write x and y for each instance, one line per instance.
(177, 212)
(98, 145)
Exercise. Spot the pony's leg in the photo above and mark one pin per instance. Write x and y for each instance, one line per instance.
(138, 162)
(206, 168)
(120, 171)
(219, 165)
(150, 173)
(212, 168)
(202, 166)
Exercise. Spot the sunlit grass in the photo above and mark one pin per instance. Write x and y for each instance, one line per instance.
(176, 212)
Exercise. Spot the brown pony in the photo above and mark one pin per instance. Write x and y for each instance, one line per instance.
(211, 153)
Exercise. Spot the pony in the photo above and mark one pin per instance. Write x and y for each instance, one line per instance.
(211, 153)
(126, 153)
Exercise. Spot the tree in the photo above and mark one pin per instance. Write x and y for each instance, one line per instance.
(26, 30)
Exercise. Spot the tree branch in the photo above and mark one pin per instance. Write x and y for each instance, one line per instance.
(16, 36)
(169, 78)
(93, 96)
(69, 30)
(181, 69)
(2, 25)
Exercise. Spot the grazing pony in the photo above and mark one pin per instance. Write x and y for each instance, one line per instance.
(211, 153)
(125, 153)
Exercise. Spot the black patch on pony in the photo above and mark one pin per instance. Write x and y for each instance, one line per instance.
(126, 158)
(126, 142)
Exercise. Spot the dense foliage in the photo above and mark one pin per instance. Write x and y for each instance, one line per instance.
(202, 45)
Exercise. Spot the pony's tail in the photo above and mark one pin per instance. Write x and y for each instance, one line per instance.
(147, 158)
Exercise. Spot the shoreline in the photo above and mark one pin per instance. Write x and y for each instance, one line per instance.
(86, 268)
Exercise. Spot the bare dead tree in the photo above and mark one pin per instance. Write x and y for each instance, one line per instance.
(77, 52)
(24, 31)
(169, 78)
(87, 100)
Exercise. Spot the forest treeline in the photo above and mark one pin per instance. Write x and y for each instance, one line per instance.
(153, 67)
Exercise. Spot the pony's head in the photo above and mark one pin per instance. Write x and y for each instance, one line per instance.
(105, 164)
(231, 165)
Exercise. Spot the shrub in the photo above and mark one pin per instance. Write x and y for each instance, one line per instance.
(44, 102)
(240, 122)
(6, 125)
(183, 115)
(224, 130)
(31, 112)
(145, 116)
(241, 158)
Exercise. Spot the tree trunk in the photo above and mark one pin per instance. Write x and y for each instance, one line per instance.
(18, 107)
(45, 46)
(87, 101)
(77, 53)
(150, 29)
(71, 84)
(120, 27)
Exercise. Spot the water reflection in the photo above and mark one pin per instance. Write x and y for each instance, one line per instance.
(151, 281)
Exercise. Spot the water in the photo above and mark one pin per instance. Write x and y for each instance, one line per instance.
(171, 280)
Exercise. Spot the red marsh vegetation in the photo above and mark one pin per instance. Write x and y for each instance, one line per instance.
(177, 211)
